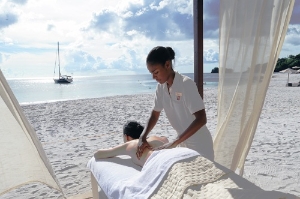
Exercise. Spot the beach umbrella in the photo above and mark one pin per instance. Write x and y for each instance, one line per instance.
(297, 67)
(288, 71)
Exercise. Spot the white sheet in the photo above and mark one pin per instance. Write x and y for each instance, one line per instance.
(130, 183)
(111, 170)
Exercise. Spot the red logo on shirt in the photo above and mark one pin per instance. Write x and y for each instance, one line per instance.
(178, 95)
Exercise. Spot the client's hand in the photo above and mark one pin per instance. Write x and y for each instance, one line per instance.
(142, 145)
(168, 145)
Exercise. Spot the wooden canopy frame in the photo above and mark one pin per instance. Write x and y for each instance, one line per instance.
(198, 44)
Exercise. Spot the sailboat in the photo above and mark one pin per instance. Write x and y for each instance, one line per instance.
(61, 78)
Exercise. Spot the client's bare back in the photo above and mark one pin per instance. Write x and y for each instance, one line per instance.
(130, 148)
(154, 141)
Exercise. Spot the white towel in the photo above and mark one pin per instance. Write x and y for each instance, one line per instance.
(109, 171)
(143, 184)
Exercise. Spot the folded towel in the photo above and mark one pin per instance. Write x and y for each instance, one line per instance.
(213, 181)
(182, 175)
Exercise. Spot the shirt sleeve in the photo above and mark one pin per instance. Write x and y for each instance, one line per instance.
(192, 97)
(158, 101)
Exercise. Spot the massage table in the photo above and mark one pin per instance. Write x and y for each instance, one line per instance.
(191, 178)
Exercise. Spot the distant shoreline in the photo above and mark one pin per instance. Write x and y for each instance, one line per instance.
(28, 91)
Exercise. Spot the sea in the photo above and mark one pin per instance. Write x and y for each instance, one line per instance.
(41, 90)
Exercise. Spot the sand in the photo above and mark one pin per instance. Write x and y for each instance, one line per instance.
(71, 131)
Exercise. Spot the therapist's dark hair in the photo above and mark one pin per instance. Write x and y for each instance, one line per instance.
(133, 129)
(159, 55)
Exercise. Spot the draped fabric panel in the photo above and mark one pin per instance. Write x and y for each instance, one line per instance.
(251, 37)
(22, 158)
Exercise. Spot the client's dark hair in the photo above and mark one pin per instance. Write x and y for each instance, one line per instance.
(133, 129)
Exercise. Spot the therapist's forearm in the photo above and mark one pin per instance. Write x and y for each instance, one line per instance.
(192, 129)
(151, 123)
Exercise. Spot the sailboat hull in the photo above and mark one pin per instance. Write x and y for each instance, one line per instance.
(64, 80)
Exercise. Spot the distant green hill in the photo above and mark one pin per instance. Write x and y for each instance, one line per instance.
(282, 63)
(289, 62)
(215, 70)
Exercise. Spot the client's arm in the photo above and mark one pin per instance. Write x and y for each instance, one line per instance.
(122, 149)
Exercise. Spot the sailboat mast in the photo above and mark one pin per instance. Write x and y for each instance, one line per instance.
(58, 59)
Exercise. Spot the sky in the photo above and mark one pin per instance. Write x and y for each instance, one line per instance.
(101, 37)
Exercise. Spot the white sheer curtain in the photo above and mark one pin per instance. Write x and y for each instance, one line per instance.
(22, 157)
(251, 36)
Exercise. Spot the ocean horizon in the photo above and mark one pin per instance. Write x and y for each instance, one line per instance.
(41, 90)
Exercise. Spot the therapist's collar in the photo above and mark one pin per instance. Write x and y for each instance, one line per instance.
(175, 80)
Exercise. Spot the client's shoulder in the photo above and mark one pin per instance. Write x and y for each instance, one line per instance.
(132, 144)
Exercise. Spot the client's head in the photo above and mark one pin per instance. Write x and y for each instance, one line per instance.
(132, 130)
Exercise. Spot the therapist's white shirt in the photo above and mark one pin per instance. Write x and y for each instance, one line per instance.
(180, 103)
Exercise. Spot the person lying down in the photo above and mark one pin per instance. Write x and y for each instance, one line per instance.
(154, 179)
(155, 163)
(131, 133)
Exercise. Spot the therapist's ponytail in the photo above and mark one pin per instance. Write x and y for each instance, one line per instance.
(171, 52)
(159, 55)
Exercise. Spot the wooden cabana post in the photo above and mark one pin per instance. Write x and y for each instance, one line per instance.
(198, 44)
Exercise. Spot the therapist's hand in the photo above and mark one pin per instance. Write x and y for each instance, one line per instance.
(142, 145)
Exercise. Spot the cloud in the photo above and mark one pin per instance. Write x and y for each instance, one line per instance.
(129, 60)
(210, 56)
(293, 40)
(50, 27)
(80, 61)
(293, 29)
(8, 15)
(7, 19)
(293, 35)
(105, 21)
(83, 62)
(122, 63)
(184, 63)
(157, 20)
(211, 18)
(21, 2)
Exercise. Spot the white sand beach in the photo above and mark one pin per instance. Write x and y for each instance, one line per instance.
(71, 131)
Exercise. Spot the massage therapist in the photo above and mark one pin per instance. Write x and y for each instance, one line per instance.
(178, 96)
